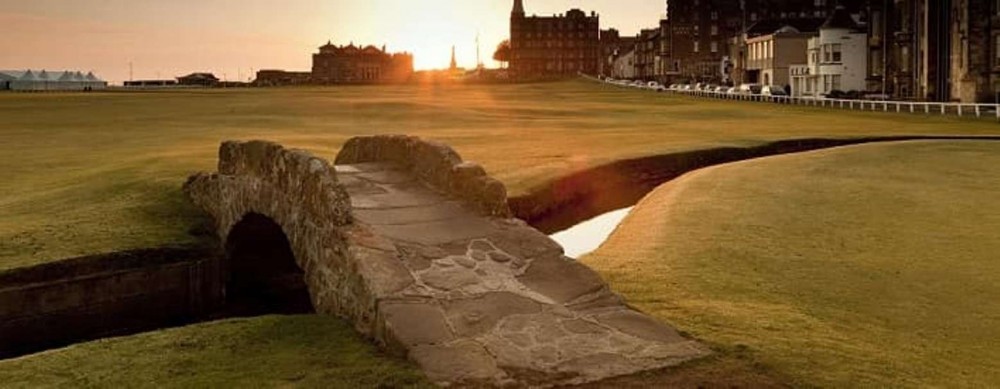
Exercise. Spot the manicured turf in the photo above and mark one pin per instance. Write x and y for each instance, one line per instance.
(300, 351)
(92, 173)
(865, 266)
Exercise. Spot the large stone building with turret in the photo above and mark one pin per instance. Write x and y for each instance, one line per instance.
(350, 64)
(360, 65)
(553, 46)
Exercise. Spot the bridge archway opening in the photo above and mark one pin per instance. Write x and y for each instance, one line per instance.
(262, 276)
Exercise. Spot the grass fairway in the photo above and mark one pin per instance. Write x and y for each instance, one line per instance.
(300, 351)
(865, 266)
(91, 173)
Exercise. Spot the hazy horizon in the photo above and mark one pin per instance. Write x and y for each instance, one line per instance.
(234, 37)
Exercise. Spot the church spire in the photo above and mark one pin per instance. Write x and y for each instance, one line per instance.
(518, 9)
(454, 63)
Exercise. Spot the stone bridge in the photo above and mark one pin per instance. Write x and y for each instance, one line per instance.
(419, 250)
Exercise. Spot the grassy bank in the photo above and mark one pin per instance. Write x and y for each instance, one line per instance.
(867, 266)
(300, 351)
(91, 173)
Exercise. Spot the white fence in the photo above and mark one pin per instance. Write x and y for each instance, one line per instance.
(926, 108)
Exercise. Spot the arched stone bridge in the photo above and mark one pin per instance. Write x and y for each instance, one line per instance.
(419, 250)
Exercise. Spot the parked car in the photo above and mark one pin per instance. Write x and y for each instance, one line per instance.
(687, 87)
(732, 91)
(773, 90)
(653, 85)
(750, 89)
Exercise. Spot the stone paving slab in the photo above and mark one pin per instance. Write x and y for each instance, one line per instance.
(490, 301)
(446, 210)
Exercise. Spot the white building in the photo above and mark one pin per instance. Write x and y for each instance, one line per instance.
(837, 59)
(28, 80)
(625, 66)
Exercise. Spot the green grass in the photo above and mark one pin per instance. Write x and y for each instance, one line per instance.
(866, 266)
(91, 173)
(273, 351)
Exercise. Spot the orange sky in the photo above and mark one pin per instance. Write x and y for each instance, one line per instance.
(164, 39)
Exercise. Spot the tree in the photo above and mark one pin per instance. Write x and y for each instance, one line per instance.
(503, 52)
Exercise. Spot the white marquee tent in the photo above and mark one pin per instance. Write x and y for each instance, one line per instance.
(28, 80)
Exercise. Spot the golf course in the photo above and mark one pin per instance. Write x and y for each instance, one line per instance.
(867, 265)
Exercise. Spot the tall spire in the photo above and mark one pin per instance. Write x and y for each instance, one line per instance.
(454, 63)
(518, 9)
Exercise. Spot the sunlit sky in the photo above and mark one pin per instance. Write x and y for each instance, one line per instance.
(167, 38)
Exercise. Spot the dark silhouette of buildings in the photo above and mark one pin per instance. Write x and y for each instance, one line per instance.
(198, 79)
(553, 46)
(350, 64)
(360, 65)
(703, 40)
(938, 50)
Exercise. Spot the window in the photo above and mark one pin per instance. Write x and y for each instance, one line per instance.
(996, 48)
(827, 57)
(876, 62)
(715, 30)
(835, 48)
(715, 47)
(715, 15)
(696, 46)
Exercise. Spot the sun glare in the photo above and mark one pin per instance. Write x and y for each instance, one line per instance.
(429, 29)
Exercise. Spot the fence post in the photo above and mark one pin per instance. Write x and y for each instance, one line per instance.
(979, 114)
(897, 107)
(943, 109)
(927, 108)
(911, 107)
(959, 109)
(885, 107)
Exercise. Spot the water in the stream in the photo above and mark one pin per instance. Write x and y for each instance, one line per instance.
(586, 237)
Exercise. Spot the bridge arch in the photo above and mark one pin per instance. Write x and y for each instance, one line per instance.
(262, 275)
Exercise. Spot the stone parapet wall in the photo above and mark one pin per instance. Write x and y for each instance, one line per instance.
(300, 192)
(437, 164)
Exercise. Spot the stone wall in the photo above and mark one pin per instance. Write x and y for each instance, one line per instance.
(81, 299)
(437, 164)
(300, 193)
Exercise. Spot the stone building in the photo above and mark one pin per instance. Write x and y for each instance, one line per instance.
(837, 59)
(704, 39)
(613, 46)
(360, 65)
(624, 65)
(648, 55)
(768, 48)
(557, 45)
(936, 50)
